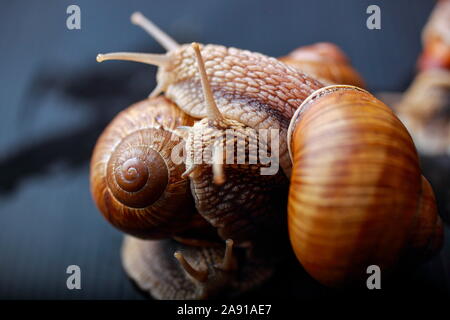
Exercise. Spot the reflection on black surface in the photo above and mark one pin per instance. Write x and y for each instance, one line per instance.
(103, 91)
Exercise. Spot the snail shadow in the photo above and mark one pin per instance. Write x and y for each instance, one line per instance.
(98, 92)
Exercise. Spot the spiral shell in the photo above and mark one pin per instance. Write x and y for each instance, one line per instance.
(357, 196)
(134, 181)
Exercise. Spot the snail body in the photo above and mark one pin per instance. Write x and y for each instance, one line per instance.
(424, 106)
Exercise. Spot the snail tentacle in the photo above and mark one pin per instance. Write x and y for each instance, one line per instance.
(153, 59)
(228, 262)
(153, 30)
(199, 275)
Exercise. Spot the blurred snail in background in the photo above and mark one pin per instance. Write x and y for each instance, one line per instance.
(344, 153)
(424, 107)
(425, 110)
(436, 39)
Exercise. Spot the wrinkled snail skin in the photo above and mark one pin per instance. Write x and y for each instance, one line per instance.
(251, 88)
(134, 182)
(325, 62)
(357, 196)
(229, 190)
(165, 278)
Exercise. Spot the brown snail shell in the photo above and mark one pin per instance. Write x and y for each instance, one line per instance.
(357, 196)
(326, 62)
(151, 264)
(134, 181)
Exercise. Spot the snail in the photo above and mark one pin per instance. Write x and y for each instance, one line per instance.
(342, 142)
(135, 183)
(424, 106)
(223, 185)
(324, 61)
(357, 196)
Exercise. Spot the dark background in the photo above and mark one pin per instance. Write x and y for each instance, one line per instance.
(55, 100)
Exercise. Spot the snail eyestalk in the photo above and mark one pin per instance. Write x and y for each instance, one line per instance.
(153, 30)
(199, 275)
(159, 60)
(189, 170)
(212, 111)
(217, 167)
(227, 264)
